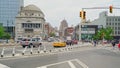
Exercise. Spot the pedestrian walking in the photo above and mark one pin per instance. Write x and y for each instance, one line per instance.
(119, 45)
(95, 43)
(113, 44)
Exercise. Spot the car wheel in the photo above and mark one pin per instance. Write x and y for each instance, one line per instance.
(23, 46)
(30, 45)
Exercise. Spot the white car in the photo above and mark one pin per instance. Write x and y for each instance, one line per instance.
(35, 42)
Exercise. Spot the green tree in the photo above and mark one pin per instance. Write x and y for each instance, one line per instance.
(104, 33)
(108, 33)
(7, 36)
(1, 31)
(52, 34)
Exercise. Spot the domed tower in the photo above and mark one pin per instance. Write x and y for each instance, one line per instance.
(29, 22)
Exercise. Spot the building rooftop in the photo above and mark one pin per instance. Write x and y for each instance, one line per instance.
(32, 8)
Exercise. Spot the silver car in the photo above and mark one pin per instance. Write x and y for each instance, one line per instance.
(35, 42)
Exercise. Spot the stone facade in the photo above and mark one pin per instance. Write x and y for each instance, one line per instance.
(29, 22)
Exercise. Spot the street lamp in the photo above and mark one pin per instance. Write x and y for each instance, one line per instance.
(7, 30)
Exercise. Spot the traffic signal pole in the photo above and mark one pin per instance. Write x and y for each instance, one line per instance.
(83, 13)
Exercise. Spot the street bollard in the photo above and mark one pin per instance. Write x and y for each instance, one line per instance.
(2, 53)
(31, 50)
(44, 49)
(13, 52)
(39, 49)
(23, 53)
(50, 50)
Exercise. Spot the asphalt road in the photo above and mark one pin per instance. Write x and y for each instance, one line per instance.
(85, 57)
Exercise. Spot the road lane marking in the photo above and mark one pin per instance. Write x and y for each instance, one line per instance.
(71, 64)
(42, 67)
(81, 63)
(3, 66)
(56, 63)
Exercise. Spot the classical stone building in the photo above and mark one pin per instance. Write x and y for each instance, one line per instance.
(29, 22)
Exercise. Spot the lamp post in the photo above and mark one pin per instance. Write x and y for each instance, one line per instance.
(13, 30)
(7, 29)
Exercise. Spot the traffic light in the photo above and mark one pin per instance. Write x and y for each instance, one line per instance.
(111, 9)
(80, 13)
(84, 15)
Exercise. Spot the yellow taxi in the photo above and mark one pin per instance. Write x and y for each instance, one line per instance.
(59, 43)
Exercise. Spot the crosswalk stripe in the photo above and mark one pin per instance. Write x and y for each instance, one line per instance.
(42, 67)
(71, 64)
(81, 63)
(3, 66)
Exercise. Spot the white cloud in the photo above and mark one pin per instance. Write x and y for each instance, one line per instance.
(56, 10)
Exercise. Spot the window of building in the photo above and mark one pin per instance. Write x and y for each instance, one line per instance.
(112, 19)
(106, 23)
(119, 19)
(118, 24)
(112, 23)
(115, 32)
(31, 25)
(28, 30)
(115, 28)
(109, 23)
(118, 32)
(109, 19)
(118, 28)
(26, 14)
(115, 23)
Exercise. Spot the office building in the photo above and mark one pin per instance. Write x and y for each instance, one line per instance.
(8, 11)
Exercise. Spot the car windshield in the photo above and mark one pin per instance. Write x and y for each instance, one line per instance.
(26, 40)
(36, 39)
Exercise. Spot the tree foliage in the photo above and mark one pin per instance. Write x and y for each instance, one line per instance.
(1, 31)
(52, 34)
(105, 33)
(3, 34)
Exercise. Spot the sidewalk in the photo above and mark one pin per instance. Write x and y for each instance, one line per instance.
(110, 48)
(8, 44)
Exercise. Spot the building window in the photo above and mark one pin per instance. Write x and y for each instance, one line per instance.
(115, 23)
(119, 19)
(31, 25)
(118, 32)
(26, 14)
(112, 23)
(115, 32)
(118, 24)
(106, 23)
(109, 23)
(28, 30)
(118, 28)
(112, 19)
(115, 28)
(109, 19)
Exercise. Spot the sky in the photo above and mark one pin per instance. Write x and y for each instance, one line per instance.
(57, 10)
